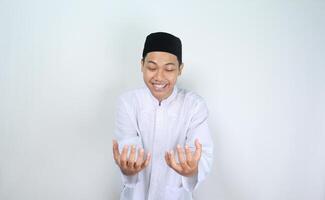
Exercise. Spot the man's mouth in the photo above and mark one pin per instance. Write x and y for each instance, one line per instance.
(159, 87)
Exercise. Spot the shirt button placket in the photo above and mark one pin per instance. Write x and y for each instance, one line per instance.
(155, 158)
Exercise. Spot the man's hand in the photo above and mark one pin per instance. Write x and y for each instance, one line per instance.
(128, 165)
(187, 166)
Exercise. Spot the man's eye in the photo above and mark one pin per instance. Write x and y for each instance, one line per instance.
(169, 70)
(151, 69)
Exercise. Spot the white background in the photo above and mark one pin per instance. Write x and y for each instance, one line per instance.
(259, 65)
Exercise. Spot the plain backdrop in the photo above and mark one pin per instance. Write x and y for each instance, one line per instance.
(260, 66)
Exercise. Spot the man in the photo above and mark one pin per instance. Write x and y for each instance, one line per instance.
(163, 148)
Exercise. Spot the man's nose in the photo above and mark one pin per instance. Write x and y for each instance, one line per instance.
(159, 75)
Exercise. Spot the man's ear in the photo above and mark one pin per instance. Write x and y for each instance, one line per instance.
(180, 69)
(142, 64)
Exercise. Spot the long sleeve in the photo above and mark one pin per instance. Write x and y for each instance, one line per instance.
(126, 134)
(198, 129)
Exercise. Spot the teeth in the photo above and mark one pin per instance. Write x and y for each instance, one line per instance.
(159, 86)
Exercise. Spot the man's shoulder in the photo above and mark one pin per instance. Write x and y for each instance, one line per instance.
(190, 96)
(193, 101)
(132, 94)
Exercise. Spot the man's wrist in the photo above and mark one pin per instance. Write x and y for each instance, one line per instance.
(191, 174)
(127, 173)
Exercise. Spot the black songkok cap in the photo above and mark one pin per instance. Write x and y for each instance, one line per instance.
(161, 41)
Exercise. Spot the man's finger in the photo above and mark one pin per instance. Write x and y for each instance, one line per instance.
(189, 156)
(131, 159)
(123, 158)
(146, 162)
(173, 163)
(167, 159)
(116, 152)
(139, 161)
(198, 150)
(181, 157)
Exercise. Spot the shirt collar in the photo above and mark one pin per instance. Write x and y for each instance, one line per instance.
(166, 101)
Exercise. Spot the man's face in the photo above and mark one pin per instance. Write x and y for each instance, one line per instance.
(160, 71)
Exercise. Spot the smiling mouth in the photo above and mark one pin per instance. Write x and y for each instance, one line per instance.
(159, 87)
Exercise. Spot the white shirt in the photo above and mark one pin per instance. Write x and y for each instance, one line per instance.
(179, 119)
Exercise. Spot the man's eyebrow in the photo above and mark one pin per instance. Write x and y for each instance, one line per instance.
(170, 64)
(150, 61)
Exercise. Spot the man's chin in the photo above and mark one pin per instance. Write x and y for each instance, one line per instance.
(161, 95)
(157, 94)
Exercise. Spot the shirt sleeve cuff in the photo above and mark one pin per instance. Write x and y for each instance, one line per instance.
(190, 183)
(129, 181)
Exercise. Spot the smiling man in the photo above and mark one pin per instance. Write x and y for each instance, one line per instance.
(163, 147)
